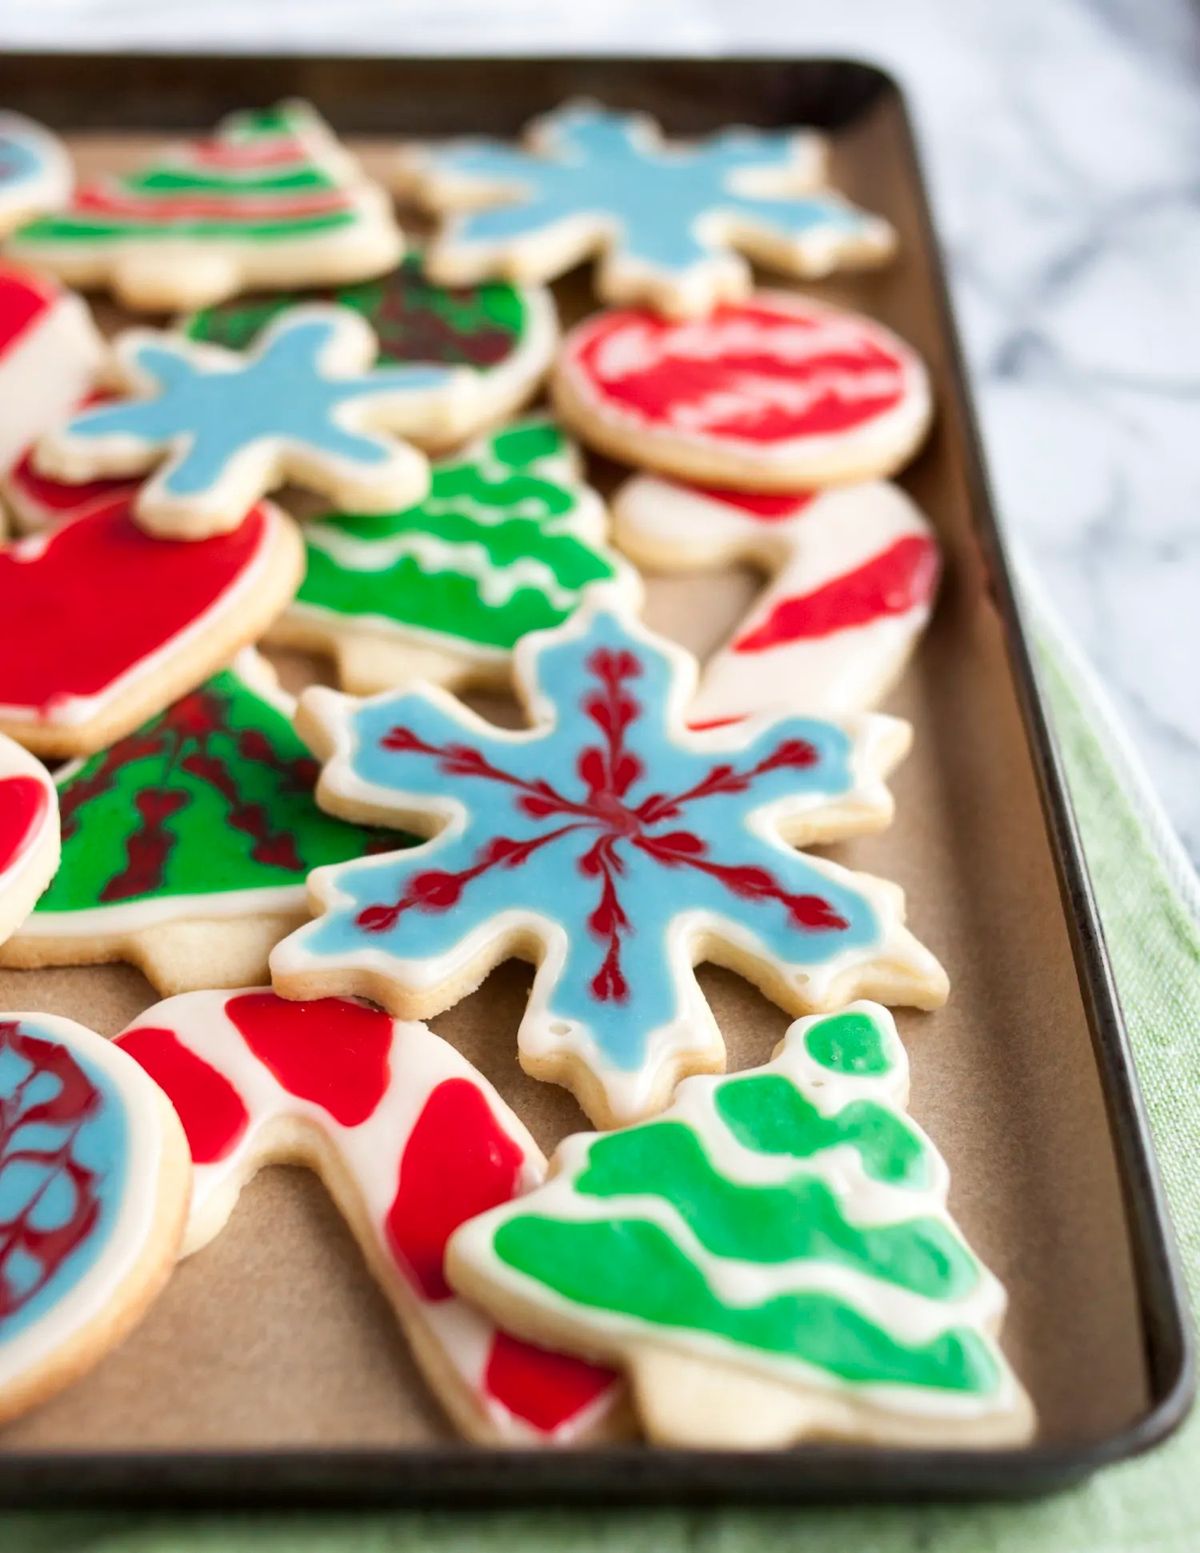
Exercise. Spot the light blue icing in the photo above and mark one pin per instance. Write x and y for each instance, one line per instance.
(95, 1141)
(655, 198)
(20, 161)
(555, 880)
(279, 391)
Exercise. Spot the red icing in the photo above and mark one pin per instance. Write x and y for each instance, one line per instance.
(23, 298)
(757, 504)
(750, 372)
(210, 1108)
(23, 805)
(101, 200)
(458, 1162)
(331, 1051)
(897, 579)
(546, 1389)
(100, 595)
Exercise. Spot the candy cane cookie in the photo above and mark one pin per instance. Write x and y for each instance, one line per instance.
(853, 574)
(94, 1179)
(50, 351)
(410, 1140)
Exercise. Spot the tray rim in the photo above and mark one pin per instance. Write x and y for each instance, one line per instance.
(472, 1475)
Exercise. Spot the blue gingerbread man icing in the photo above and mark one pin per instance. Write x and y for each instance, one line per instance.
(281, 392)
(655, 199)
(608, 824)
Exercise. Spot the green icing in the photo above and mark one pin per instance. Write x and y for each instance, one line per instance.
(441, 566)
(849, 1043)
(84, 229)
(415, 320)
(212, 796)
(797, 1220)
(767, 1113)
(178, 180)
(633, 1268)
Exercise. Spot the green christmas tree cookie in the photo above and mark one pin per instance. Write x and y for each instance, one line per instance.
(269, 199)
(771, 1259)
(186, 845)
(508, 541)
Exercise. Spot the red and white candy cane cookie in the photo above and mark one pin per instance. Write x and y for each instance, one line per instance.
(29, 834)
(409, 1140)
(49, 352)
(777, 393)
(853, 575)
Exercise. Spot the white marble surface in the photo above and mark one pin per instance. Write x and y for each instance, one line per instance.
(1062, 137)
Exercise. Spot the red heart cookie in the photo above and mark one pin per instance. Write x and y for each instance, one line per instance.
(106, 625)
(29, 834)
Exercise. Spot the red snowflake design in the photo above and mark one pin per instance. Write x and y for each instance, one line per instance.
(607, 771)
(66, 1112)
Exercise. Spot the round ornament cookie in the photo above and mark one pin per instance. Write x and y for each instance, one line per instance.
(94, 1183)
(509, 540)
(114, 624)
(613, 847)
(50, 352)
(771, 1260)
(776, 393)
(504, 335)
(668, 221)
(853, 575)
(186, 844)
(270, 199)
(29, 833)
(410, 1141)
(35, 171)
(216, 430)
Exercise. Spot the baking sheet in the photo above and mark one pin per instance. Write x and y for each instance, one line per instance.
(274, 1337)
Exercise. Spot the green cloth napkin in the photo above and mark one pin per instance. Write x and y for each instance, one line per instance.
(1150, 903)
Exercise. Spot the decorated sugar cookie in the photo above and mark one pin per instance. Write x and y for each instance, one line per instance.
(854, 574)
(114, 624)
(35, 171)
(29, 844)
(611, 846)
(50, 350)
(36, 501)
(186, 844)
(669, 222)
(94, 1178)
(410, 1140)
(509, 540)
(771, 1260)
(505, 335)
(305, 405)
(777, 393)
(270, 199)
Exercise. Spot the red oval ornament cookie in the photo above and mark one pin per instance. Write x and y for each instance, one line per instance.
(775, 393)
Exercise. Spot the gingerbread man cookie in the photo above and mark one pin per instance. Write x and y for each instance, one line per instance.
(410, 1140)
(611, 846)
(186, 843)
(270, 199)
(668, 221)
(94, 1181)
(776, 393)
(771, 1260)
(305, 404)
(504, 335)
(115, 624)
(854, 574)
(29, 834)
(509, 540)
